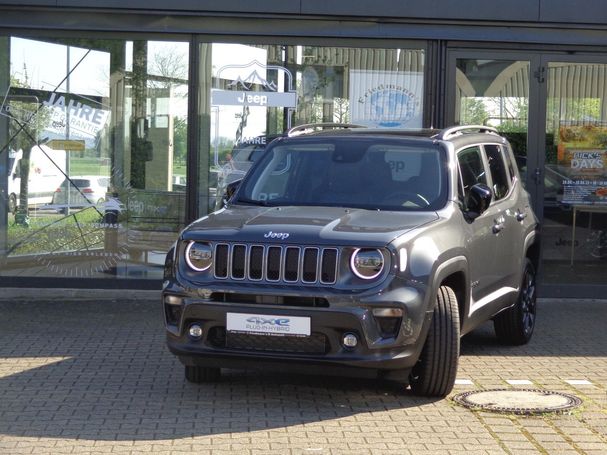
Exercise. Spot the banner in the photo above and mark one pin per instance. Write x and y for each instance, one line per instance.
(387, 99)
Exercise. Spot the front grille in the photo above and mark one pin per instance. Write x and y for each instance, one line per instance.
(272, 263)
(316, 343)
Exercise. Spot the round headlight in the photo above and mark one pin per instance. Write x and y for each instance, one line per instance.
(366, 263)
(199, 256)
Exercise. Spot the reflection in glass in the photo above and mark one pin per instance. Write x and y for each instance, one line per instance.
(575, 183)
(250, 94)
(96, 148)
(495, 93)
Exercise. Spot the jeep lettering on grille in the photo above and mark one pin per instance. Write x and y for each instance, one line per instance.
(277, 235)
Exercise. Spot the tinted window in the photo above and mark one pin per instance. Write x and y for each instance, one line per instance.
(471, 168)
(344, 172)
(499, 172)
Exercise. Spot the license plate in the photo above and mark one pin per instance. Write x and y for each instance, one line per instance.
(268, 324)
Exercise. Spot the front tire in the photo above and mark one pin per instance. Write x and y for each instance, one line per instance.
(435, 371)
(199, 375)
(515, 325)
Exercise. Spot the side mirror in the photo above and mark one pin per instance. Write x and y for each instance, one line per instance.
(229, 192)
(478, 200)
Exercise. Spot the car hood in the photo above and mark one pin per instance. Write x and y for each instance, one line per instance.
(306, 225)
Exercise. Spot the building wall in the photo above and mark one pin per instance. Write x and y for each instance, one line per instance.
(539, 11)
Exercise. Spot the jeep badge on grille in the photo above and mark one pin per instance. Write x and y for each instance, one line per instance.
(277, 235)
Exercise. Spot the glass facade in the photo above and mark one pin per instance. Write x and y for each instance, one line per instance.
(93, 147)
(94, 137)
(108, 147)
(575, 175)
(566, 169)
(495, 92)
(250, 93)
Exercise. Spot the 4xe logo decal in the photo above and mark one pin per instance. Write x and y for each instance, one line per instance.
(271, 321)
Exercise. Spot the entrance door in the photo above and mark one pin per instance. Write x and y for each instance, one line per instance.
(574, 165)
(562, 101)
(498, 89)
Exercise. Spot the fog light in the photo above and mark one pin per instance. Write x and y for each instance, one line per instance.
(172, 300)
(350, 340)
(387, 312)
(195, 331)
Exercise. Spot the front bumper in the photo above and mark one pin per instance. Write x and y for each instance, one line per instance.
(321, 352)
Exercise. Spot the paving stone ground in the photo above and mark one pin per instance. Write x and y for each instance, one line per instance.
(92, 377)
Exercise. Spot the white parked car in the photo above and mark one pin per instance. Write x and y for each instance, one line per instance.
(83, 191)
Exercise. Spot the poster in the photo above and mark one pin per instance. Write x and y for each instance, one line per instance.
(582, 158)
(386, 99)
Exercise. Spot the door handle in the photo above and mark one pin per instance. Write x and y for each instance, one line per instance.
(521, 215)
(498, 224)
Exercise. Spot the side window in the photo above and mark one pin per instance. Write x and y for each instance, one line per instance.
(499, 172)
(471, 169)
(511, 164)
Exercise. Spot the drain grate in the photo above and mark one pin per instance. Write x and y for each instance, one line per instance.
(518, 401)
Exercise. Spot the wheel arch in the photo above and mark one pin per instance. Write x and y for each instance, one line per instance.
(454, 273)
(533, 249)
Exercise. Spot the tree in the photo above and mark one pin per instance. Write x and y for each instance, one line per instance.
(180, 138)
(27, 116)
(473, 111)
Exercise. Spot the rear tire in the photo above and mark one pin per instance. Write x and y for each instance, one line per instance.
(515, 325)
(435, 371)
(199, 375)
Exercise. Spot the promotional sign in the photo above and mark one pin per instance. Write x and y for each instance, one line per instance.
(387, 99)
(582, 157)
(82, 120)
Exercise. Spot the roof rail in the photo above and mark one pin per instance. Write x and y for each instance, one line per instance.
(301, 129)
(448, 133)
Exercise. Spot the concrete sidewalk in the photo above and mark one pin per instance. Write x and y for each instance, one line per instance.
(92, 375)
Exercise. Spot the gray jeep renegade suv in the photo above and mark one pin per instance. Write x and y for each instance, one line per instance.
(358, 251)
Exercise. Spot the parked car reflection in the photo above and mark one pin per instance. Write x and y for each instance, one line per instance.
(80, 192)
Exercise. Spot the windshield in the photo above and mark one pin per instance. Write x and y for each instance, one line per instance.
(361, 172)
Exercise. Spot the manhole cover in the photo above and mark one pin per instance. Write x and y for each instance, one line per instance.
(518, 401)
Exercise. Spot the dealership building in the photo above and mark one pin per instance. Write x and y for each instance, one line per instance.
(121, 120)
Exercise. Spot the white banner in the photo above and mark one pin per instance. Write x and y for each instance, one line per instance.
(387, 99)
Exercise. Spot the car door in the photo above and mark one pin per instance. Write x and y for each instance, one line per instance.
(509, 231)
(480, 239)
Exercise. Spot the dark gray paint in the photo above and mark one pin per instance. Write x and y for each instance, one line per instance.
(512, 10)
(540, 11)
(233, 28)
(231, 6)
(572, 11)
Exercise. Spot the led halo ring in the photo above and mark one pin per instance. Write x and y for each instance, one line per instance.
(355, 271)
(187, 257)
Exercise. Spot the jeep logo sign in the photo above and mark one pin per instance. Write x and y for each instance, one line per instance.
(277, 235)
